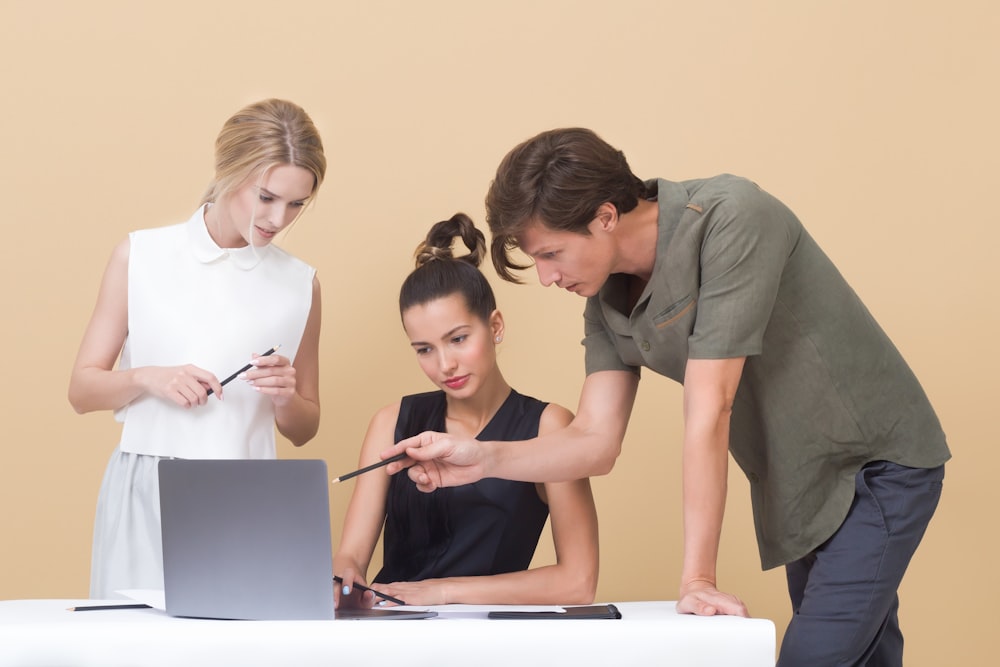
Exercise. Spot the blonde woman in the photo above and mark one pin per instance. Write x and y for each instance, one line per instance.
(182, 306)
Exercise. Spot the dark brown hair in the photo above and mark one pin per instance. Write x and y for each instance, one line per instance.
(439, 273)
(558, 178)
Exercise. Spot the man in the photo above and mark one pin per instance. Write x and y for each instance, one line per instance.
(716, 284)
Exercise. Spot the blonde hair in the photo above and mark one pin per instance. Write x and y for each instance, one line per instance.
(261, 136)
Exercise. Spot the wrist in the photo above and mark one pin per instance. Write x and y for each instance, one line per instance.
(493, 458)
(445, 592)
(138, 377)
(694, 582)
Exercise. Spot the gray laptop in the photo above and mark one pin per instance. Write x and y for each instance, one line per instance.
(246, 539)
(250, 540)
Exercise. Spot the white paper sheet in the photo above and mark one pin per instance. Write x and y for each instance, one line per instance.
(151, 596)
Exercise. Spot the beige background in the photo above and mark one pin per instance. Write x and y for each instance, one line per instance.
(875, 121)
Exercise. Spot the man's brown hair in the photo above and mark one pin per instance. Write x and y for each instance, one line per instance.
(558, 178)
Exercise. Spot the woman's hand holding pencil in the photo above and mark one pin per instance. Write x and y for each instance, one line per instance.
(367, 597)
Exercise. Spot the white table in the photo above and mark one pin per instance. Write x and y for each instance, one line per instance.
(43, 632)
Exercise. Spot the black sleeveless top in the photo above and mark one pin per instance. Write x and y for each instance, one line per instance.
(489, 527)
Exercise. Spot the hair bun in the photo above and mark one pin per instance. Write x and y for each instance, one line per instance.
(426, 253)
(438, 243)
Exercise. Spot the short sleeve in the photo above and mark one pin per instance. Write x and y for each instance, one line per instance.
(599, 348)
(746, 245)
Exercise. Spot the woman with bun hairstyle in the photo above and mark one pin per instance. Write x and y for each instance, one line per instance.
(183, 305)
(469, 544)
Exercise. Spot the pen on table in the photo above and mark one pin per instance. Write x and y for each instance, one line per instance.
(384, 462)
(97, 607)
(245, 368)
(365, 588)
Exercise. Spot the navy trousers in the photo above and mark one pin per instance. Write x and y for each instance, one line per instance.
(843, 594)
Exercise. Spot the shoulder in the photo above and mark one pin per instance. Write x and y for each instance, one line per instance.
(159, 233)
(289, 261)
(385, 417)
(423, 398)
(729, 195)
(120, 253)
(734, 208)
(417, 406)
(723, 187)
(158, 241)
(553, 418)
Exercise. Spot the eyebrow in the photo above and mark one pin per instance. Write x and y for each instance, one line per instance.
(535, 252)
(261, 188)
(448, 334)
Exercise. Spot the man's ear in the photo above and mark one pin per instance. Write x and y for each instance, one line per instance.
(607, 216)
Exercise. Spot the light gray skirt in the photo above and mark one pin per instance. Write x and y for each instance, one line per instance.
(127, 551)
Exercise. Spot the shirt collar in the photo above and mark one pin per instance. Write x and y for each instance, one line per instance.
(613, 295)
(207, 251)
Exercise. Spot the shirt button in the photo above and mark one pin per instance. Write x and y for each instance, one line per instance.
(645, 346)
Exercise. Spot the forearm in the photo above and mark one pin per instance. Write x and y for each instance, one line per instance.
(551, 584)
(588, 446)
(705, 470)
(709, 391)
(564, 455)
(298, 419)
(92, 389)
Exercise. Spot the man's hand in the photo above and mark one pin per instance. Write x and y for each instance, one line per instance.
(440, 460)
(702, 598)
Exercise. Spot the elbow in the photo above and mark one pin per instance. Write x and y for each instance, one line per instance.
(298, 428)
(77, 401)
(603, 467)
(606, 459)
(584, 591)
(578, 582)
(305, 434)
(583, 596)
(299, 439)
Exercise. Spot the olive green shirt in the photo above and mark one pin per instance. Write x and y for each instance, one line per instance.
(823, 390)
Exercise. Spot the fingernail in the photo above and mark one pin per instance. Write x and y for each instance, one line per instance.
(242, 376)
(346, 590)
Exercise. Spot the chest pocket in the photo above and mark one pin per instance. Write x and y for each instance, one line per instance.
(660, 341)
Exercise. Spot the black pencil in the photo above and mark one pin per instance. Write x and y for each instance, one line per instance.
(384, 462)
(365, 588)
(98, 607)
(244, 369)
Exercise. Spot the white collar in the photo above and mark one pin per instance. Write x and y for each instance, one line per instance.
(207, 251)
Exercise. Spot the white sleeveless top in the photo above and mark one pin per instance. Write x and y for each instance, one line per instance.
(192, 302)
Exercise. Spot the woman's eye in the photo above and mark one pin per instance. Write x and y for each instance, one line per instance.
(459, 339)
(265, 198)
